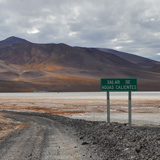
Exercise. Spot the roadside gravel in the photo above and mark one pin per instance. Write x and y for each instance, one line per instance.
(99, 141)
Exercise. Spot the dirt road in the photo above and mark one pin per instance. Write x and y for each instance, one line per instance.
(52, 137)
(41, 139)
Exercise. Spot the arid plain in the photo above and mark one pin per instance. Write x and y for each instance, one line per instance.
(53, 136)
(89, 105)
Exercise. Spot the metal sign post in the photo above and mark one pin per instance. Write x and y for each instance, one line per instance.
(108, 108)
(129, 109)
(122, 84)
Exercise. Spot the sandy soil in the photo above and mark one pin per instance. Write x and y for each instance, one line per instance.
(7, 126)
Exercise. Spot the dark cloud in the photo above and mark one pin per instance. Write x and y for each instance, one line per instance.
(130, 26)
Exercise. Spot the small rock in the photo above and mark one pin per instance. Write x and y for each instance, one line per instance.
(94, 143)
(85, 143)
(138, 149)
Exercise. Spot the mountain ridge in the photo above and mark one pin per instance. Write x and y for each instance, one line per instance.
(128, 56)
(13, 40)
(60, 67)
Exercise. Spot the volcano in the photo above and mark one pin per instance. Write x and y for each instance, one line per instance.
(27, 66)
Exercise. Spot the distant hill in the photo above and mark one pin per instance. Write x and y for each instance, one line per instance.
(12, 40)
(138, 60)
(59, 67)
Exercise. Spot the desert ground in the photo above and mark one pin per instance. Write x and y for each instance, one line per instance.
(88, 105)
(35, 116)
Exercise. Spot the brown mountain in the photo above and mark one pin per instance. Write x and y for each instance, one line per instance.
(138, 60)
(59, 67)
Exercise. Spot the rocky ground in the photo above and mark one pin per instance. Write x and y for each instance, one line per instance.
(117, 141)
(114, 141)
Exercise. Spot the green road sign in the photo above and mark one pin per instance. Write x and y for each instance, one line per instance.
(119, 84)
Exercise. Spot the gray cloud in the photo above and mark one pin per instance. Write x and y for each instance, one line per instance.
(130, 26)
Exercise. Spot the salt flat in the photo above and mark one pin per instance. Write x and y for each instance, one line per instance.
(88, 105)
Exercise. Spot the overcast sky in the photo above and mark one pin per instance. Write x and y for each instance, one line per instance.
(124, 25)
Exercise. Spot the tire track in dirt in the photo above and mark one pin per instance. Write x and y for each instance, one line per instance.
(43, 139)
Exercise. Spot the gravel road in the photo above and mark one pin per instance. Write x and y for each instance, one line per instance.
(42, 139)
(53, 137)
